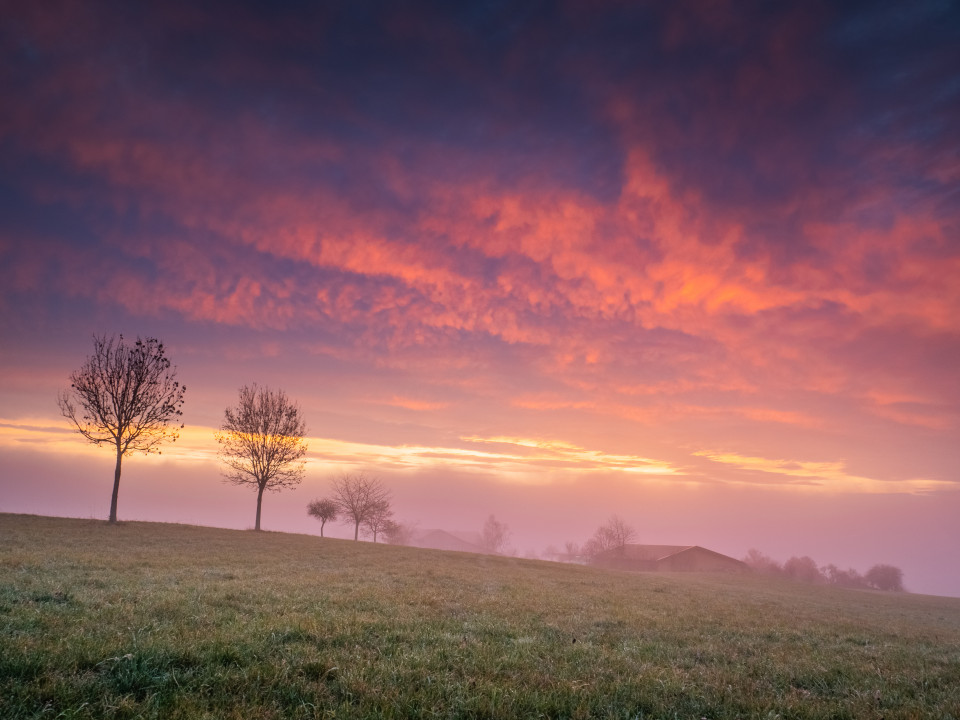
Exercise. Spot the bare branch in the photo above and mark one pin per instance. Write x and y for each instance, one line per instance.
(358, 497)
(495, 535)
(262, 442)
(127, 396)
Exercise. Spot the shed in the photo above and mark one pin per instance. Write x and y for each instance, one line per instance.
(676, 558)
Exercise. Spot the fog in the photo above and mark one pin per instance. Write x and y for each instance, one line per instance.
(916, 533)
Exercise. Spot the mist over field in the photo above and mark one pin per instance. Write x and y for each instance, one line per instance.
(154, 619)
(853, 533)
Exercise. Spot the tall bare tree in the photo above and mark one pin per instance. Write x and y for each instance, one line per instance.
(359, 495)
(378, 519)
(494, 537)
(262, 442)
(126, 396)
(323, 510)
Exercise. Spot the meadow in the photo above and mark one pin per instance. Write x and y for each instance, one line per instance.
(173, 621)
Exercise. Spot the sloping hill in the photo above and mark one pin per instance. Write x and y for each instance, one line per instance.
(155, 620)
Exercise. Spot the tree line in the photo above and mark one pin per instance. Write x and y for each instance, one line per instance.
(126, 396)
(617, 533)
(805, 569)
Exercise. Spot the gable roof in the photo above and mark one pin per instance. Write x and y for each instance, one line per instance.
(647, 552)
(654, 555)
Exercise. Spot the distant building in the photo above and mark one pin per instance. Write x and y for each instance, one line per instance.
(445, 540)
(677, 558)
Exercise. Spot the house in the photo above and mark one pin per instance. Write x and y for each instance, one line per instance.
(444, 540)
(678, 558)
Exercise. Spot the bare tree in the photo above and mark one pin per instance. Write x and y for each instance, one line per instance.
(357, 496)
(378, 519)
(262, 442)
(614, 535)
(323, 510)
(398, 533)
(494, 537)
(126, 396)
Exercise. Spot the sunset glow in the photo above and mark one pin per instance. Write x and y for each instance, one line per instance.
(694, 264)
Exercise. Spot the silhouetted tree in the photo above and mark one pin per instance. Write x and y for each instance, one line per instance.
(262, 442)
(126, 396)
(378, 518)
(885, 577)
(358, 496)
(494, 537)
(323, 510)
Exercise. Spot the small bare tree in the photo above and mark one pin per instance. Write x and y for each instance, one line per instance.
(126, 396)
(262, 442)
(323, 510)
(378, 519)
(358, 495)
(494, 537)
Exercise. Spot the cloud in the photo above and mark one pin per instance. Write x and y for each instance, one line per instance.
(830, 477)
(682, 221)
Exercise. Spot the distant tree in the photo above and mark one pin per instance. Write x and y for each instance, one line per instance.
(759, 562)
(803, 569)
(885, 577)
(378, 518)
(494, 537)
(615, 534)
(397, 533)
(323, 510)
(849, 578)
(571, 550)
(262, 442)
(358, 496)
(125, 396)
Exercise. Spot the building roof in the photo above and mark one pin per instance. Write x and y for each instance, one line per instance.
(656, 553)
(648, 552)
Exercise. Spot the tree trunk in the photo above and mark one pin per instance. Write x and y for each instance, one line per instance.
(322, 523)
(259, 500)
(116, 487)
(356, 531)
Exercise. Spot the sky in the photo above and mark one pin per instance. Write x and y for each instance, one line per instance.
(696, 264)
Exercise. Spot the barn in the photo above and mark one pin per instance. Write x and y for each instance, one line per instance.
(668, 558)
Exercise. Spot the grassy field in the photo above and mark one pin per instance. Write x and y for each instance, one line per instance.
(173, 621)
